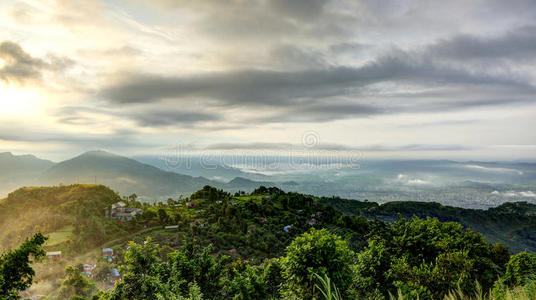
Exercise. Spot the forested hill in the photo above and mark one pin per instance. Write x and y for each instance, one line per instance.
(512, 223)
(268, 243)
(76, 211)
(80, 208)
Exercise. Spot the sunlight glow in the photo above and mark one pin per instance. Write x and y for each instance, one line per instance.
(16, 101)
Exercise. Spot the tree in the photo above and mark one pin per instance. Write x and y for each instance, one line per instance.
(249, 284)
(193, 263)
(190, 272)
(520, 268)
(76, 285)
(132, 199)
(163, 216)
(102, 271)
(273, 277)
(424, 258)
(500, 254)
(142, 274)
(320, 252)
(16, 274)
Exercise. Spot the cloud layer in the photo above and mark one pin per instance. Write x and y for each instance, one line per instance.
(440, 77)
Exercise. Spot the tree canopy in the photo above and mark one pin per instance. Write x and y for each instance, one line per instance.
(16, 273)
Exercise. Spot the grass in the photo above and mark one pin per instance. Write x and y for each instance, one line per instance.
(62, 235)
(328, 290)
(526, 292)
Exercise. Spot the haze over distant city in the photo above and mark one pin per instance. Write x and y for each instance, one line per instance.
(385, 79)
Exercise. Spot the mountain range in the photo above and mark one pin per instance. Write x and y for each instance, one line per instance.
(463, 184)
(122, 174)
(18, 169)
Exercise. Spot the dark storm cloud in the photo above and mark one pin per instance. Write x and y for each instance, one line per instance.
(281, 88)
(324, 112)
(336, 110)
(168, 118)
(516, 44)
(289, 56)
(258, 19)
(297, 9)
(347, 48)
(19, 66)
(439, 123)
(301, 9)
(308, 88)
(147, 116)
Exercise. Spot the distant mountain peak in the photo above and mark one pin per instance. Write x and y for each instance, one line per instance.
(240, 180)
(99, 153)
(10, 155)
(6, 154)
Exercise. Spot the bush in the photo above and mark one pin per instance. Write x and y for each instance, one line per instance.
(320, 252)
(424, 258)
(520, 268)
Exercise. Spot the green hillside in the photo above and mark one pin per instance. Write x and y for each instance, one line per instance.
(513, 224)
(76, 211)
(266, 244)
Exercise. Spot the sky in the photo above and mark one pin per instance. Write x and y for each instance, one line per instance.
(378, 78)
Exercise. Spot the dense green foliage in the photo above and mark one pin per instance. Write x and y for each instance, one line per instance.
(50, 209)
(273, 244)
(510, 223)
(425, 259)
(316, 252)
(76, 285)
(422, 259)
(16, 274)
(520, 269)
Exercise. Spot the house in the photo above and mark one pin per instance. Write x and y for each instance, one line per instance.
(108, 254)
(262, 220)
(313, 221)
(118, 206)
(190, 204)
(287, 228)
(233, 252)
(87, 269)
(127, 214)
(54, 255)
(114, 275)
(119, 210)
